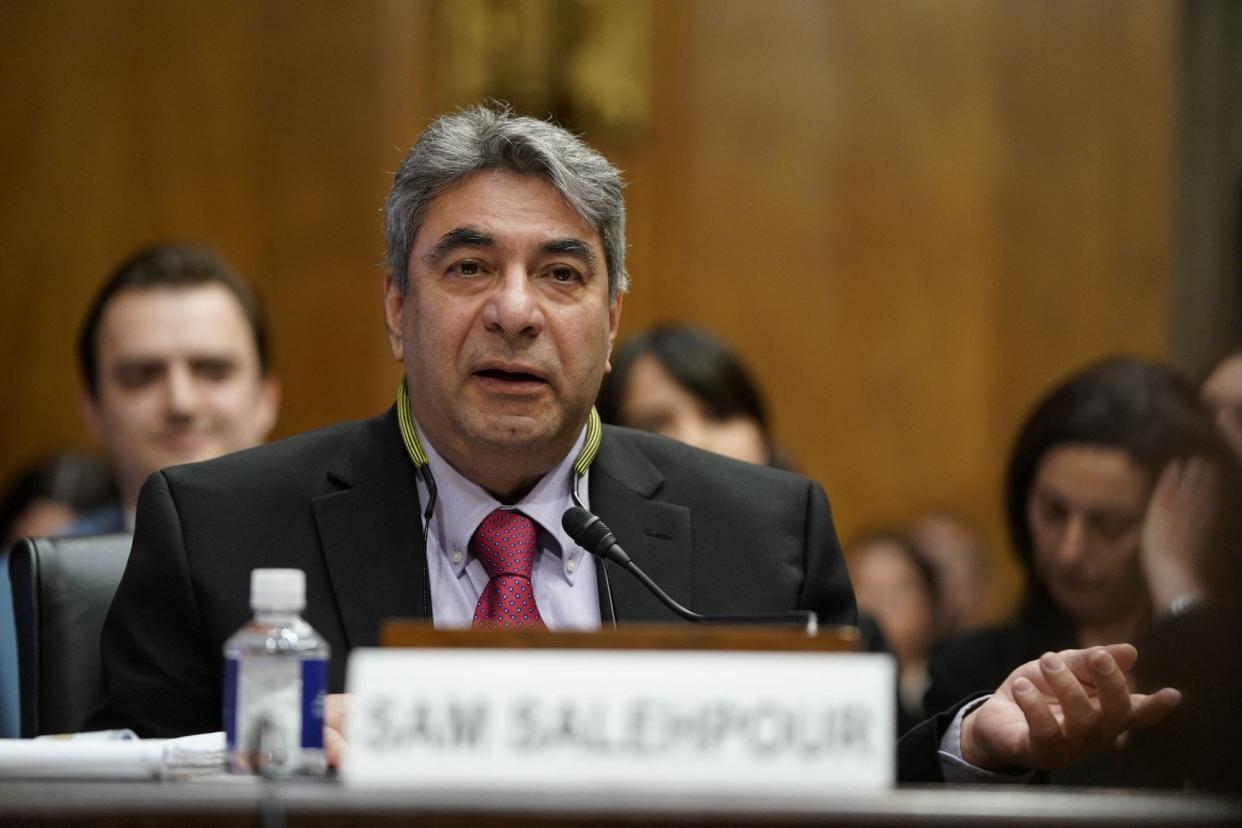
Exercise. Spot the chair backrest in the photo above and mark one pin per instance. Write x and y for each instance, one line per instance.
(62, 588)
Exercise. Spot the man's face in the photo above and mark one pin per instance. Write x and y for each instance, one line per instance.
(506, 327)
(1222, 391)
(1085, 511)
(888, 585)
(178, 381)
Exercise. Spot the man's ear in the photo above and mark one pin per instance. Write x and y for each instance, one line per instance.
(394, 307)
(614, 322)
(268, 405)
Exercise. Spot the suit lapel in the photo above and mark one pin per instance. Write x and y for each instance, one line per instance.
(369, 526)
(656, 535)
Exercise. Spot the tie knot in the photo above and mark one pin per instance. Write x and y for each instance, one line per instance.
(505, 543)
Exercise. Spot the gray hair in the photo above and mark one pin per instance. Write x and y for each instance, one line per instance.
(490, 138)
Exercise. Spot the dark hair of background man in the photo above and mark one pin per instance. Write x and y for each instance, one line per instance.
(167, 266)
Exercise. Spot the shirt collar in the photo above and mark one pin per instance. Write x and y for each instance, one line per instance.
(461, 504)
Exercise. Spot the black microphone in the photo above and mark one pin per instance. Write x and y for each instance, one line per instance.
(593, 535)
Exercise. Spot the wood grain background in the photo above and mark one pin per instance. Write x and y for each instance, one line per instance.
(909, 217)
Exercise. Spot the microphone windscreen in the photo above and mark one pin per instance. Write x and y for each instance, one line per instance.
(574, 522)
(587, 530)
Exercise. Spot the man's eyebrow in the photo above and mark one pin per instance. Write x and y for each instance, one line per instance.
(138, 361)
(455, 238)
(572, 246)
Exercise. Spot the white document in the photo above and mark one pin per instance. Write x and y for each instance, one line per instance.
(84, 757)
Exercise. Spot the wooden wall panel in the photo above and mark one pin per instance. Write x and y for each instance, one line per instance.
(268, 131)
(910, 217)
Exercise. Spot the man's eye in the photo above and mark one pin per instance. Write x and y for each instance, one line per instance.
(214, 369)
(565, 275)
(466, 269)
(1053, 511)
(137, 376)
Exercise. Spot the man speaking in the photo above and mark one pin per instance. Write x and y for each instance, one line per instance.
(505, 260)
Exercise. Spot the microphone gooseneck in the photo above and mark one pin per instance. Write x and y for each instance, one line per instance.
(593, 535)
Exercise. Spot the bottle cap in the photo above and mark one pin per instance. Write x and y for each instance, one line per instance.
(279, 590)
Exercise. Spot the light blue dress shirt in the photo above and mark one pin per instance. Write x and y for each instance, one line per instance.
(564, 574)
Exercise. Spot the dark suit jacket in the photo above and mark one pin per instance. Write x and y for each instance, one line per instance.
(342, 505)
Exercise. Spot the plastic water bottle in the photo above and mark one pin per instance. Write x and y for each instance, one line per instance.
(275, 678)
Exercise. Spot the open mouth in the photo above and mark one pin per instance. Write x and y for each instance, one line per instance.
(508, 376)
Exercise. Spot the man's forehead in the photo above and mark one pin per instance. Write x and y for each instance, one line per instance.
(505, 206)
(157, 321)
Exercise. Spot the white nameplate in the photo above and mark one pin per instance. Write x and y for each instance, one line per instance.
(539, 721)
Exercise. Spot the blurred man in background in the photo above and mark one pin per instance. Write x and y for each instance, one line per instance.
(958, 554)
(1222, 391)
(174, 362)
(897, 586)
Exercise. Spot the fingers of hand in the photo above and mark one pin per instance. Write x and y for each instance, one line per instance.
(1166, 485)
(335, 706)
(333, 746)
(1116, 713)
(1150, 709)
(1068, 688)
(1197, 484)
(1079, 661)
(1047, 743)
(1195, 473)
(1123, 655)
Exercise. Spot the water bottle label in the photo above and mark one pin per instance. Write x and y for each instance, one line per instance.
(314, 688)
(230, 704)
(273, 708)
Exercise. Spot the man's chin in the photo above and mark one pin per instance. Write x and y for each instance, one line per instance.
(512, 431)
(180, 455)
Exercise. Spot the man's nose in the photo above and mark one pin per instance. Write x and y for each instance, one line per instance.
(513, 307)
(181, 392)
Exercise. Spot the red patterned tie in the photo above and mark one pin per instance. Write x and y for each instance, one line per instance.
(505, 544)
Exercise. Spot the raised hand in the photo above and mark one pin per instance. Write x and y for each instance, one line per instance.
(1176, 528)
(1060, 709)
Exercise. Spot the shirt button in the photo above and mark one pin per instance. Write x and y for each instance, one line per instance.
(456, 556)
(571, 565)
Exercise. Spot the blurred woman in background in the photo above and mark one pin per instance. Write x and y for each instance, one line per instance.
(1078, 488)
(684, 383)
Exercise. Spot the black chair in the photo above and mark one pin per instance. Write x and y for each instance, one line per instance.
(62, 588)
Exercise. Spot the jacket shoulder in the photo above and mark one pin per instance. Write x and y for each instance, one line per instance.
(298, 463)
